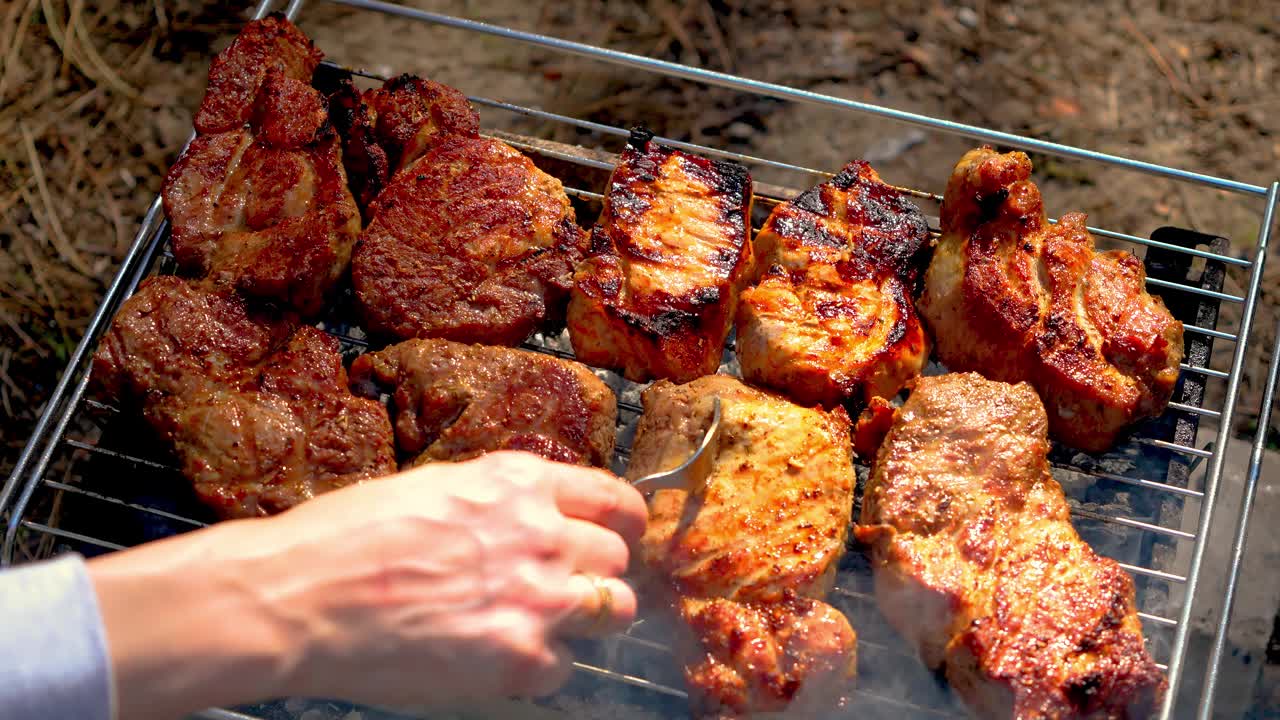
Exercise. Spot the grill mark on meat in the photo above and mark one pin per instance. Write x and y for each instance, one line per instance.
(903, 318)
(657, 293)
(831, 319)
(670, 323)
(806, 231)
(471, 243)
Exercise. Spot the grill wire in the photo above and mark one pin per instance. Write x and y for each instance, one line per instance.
(97, 487)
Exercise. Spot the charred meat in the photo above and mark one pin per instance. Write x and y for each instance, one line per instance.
(387, 128)
(656, 298)
(832, 319)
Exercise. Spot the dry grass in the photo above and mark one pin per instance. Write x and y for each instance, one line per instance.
(90, 118)
(95, 100)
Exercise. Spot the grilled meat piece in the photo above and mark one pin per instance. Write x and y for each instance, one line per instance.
(175, 335)
(832, 319)
(799, 654)
(977, 565)
(1017, 299)
(289, 431)
(387, 128)
(264, 207)
(364, 159)
(266, 46)
(255, 407)
(672, 251)
(453, 402)
(470, 243)
(745, 563)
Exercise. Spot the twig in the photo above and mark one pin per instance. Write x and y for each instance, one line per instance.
(674, 23)
(162, 18)
(54, 117)
(16, 195)
(14, 44)
(94, 59)
(113, 211)
(58, 237)
(8, 381)
(717, 36)
(30, 103)
(22, 334)
(1113, 102)
(55, 32)
(69, 33)
(92, 65)
(1241, 108)
(37, 269)
(1192, 220)
(621, 98)
(1158, 58)
(77, 155)
(45, 548)
(18, 294)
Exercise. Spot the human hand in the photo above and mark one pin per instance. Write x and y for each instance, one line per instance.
(457, 581)
(443, 583)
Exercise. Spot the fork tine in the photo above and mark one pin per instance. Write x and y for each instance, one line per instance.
(697, 466)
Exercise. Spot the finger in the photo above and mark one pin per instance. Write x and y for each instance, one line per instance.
(553, 671)
(605, 606)
(597, 550)
(601, 498)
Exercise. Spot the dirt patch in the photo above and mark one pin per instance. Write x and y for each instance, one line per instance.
(95, 101)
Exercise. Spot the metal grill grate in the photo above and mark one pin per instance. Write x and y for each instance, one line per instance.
(85, 482)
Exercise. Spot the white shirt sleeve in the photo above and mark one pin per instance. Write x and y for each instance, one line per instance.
(53, 646)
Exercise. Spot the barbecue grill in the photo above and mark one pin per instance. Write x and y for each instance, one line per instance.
(86, 483)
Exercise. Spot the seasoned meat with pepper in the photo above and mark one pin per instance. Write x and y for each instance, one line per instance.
(745, 562)
(976, 563)
(470, 243)
(453, 402)
(255, 407)
(385, 129)
(657, 295)
(261, 203)
(1018, 299)
(832, 319)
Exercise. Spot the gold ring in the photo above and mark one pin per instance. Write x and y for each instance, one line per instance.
(604, 611)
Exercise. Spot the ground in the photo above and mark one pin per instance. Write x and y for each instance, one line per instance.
(96, 100)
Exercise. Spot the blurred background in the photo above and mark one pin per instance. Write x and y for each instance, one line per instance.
(96, 100)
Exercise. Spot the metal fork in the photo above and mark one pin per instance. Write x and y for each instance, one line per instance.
(692, 474)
